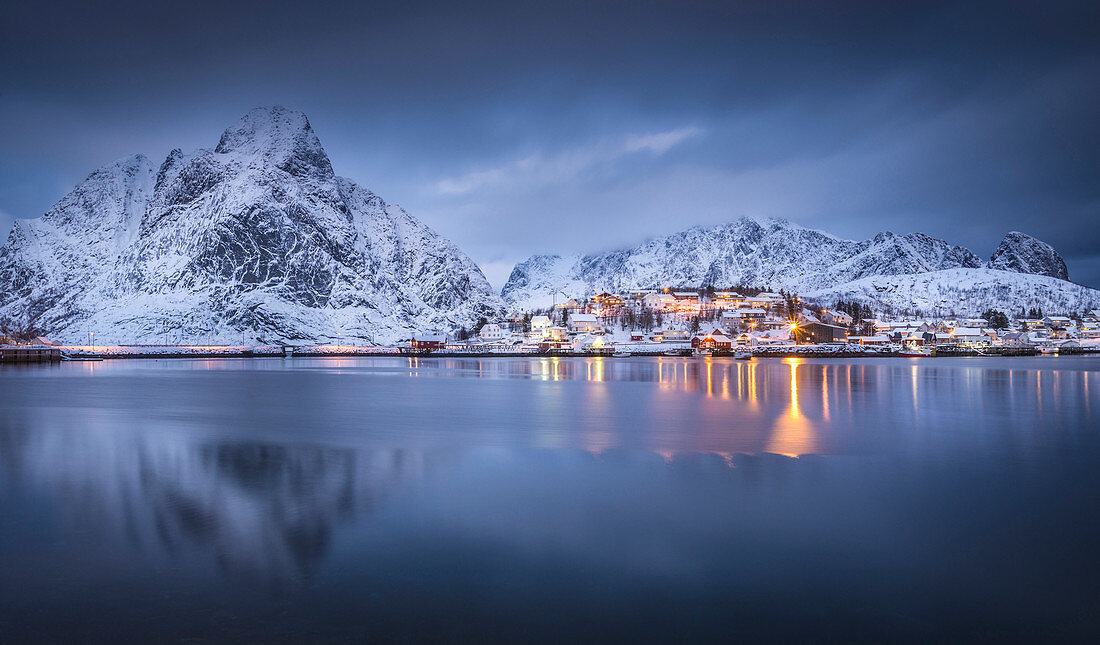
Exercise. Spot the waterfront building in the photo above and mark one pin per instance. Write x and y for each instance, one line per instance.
(819, 332)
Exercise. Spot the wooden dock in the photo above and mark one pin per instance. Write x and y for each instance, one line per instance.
(29, 354)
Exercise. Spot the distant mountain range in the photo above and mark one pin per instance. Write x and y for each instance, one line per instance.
(904, 272)
(256, 240)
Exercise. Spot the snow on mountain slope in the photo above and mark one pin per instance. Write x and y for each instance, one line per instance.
(255, 241)
(49, 260)
(777, 254)
(963, 292)
(748, 251)
(1025, 254)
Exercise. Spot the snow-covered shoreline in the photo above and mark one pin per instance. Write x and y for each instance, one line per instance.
(277, 351)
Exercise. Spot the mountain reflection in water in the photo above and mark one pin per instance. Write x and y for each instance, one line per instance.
(545, 498)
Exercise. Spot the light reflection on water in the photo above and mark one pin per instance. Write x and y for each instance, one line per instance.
(450, 498)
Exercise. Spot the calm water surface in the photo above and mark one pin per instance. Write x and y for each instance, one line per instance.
(550, 500)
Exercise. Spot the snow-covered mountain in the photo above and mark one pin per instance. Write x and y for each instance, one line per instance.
(256, 240)
(963, 292)
(1025, 254)
(778, 254)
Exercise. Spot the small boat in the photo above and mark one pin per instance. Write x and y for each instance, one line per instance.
(704, 352)
(742, 355)
(915, 352)
(673, 352)
(83, 356)
(621, 354)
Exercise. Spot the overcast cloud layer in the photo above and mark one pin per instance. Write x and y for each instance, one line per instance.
(524, 127)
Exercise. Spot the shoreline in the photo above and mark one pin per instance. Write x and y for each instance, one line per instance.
(85, 353)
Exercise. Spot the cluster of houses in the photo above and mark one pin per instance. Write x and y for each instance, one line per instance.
(1050, 331)
(726, 320)
(671, 301)
(597, 323)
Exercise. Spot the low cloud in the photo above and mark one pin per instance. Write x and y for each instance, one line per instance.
(539, 170)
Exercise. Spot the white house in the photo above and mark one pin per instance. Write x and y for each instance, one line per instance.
(492, 331)
(836, 318)
(970, 336)
(539, 327)
(686, 297)
(738, 317)
(658, 301)
(586, 323)
(766, 299)
(1089, 330)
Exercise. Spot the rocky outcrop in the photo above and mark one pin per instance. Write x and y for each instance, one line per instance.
(1024, 254)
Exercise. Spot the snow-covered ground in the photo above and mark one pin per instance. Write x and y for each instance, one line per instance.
(963, 292)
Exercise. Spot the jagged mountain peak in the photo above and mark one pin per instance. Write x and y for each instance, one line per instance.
(281, 137)
(1023, 253)
(256, 240)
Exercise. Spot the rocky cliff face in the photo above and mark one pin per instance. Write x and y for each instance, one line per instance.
(1024, 254)
(255, 241)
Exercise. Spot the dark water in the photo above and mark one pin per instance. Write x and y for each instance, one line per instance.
(550, 500)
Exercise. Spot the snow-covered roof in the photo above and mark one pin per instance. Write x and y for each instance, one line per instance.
(583, 318)
(715, 335)
(967, 331)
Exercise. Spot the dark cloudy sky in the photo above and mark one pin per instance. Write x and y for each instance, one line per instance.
(522, 127)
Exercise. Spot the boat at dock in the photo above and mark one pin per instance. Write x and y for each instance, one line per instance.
(743, 355)
(915, 352)
(621, 354)
(82, 356)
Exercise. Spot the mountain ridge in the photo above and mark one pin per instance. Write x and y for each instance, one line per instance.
(255, 240)
(779, 254)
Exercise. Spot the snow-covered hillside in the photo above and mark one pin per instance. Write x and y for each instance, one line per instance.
(778, 254)
(961, 292)
(255, 241)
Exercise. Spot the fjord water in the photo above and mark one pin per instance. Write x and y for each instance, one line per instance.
(540, 499)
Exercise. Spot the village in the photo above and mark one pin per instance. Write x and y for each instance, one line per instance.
(669, 322)
(716, 322)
